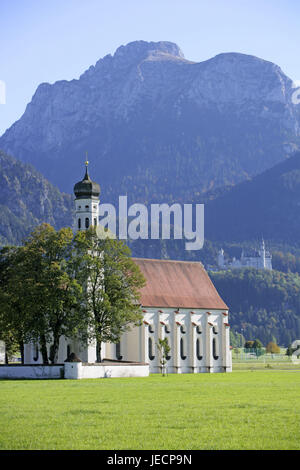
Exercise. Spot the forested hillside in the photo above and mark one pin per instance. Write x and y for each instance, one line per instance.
(263, 304)
(27, 199)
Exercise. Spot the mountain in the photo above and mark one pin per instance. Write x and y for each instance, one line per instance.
(267, 205)
(27, 199)
(157, 126)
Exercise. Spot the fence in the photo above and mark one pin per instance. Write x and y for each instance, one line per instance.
(258, 355)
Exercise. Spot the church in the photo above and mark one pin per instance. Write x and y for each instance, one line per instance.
(179, 302)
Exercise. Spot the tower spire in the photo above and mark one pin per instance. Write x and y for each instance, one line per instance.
(87, 201)
(86, 176)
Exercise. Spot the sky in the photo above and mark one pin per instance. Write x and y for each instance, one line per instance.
(50, 40)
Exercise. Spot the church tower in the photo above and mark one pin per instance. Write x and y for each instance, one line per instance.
(86, 202)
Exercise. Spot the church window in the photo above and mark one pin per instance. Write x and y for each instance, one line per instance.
(86, 207)
(215, 330)
(87, 222)
(183, 329)
(151, 329)
(118, 351)
(182, 349)
(198, 349)
(95, 221)
(167, 329)
(215, 353)
(150, 349)
(168, 356)
(199, 329)
(79, 223)
(36, 355)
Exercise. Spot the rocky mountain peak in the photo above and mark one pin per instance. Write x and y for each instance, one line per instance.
(151, 119)
(138, 50)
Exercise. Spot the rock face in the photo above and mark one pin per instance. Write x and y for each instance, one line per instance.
(157, 126)
(27, 199)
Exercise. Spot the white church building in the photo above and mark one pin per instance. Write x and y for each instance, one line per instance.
(179, 302)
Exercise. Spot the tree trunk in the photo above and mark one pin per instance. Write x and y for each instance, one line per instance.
(98, 351)
(21, 346)
(44, 350)
(54, 350)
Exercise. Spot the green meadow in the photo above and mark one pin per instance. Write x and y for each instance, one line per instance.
(257, 409)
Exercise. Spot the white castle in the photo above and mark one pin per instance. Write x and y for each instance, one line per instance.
(261, 259)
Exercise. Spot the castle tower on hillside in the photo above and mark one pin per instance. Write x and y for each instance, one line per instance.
(86, 202)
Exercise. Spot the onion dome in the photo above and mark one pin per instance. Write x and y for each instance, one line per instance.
(86, 188)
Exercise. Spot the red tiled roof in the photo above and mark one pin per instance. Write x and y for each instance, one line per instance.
(182, 284)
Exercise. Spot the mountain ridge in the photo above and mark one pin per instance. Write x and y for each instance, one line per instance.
(160, 129)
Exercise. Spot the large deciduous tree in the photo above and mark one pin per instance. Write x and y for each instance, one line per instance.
(15, 300)
(55, 290)
(40, 296)
(112, 287)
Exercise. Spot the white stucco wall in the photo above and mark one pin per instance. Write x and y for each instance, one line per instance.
(31, 372)
(78, 370)
(199, 325)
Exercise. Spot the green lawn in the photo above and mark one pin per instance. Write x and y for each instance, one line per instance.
(241, 410)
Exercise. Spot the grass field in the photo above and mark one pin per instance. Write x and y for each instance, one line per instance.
(242, 410)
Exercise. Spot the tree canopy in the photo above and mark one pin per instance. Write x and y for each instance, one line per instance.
(59, 285)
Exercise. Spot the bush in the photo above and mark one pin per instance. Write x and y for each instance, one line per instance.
(272, 348)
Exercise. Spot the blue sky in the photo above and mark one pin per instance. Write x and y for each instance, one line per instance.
(49, 40)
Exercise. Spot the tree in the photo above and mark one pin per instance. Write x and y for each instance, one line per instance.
(249, 344)
(272, 348)
(164, 349)
(257, 344)
(39, 294)
(111, 287)
(15, 319)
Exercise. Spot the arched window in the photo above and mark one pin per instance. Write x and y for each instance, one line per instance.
(36, 355)
(95, 222)
(167, 329)
(198, 349)
(215, 349)
(182, 349)
(183, 329)
(79, 223)
(151, 329)
(150, 349)
(118, 351)
(87, 222)
(168, 356)
(199, 329)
